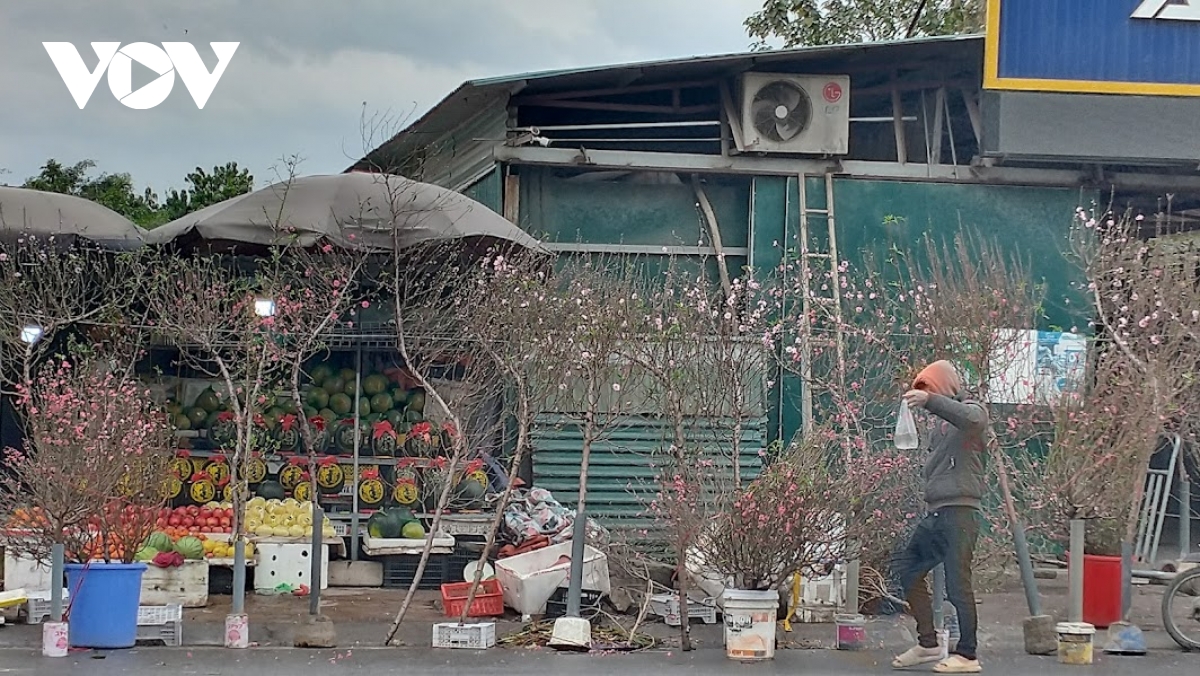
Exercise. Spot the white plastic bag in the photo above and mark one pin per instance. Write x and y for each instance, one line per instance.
(906, 429)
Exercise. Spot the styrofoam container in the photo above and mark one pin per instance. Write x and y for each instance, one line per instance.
(750, 618)
(442, 544)
(25, 573)
(287, 563)
(475, 636)
(821, 598)
(186, 585)
(529, 579)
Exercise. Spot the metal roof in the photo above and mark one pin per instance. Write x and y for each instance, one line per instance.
(473, 96)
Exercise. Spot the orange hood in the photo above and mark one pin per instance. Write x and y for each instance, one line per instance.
(940, 377)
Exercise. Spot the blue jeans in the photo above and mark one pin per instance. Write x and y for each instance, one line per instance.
(948, 537)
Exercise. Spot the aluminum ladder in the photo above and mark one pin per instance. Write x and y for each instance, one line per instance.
(818, 298)
(1154, 506)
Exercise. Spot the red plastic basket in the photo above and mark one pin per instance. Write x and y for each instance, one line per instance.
(489, 599)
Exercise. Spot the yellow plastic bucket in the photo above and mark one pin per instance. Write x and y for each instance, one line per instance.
(1075, 640)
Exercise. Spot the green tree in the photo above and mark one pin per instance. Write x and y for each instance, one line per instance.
(114, 191)
(800, 23)
(117, 192)
(205, 188)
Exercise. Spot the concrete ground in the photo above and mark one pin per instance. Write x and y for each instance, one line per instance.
(362, 617)
(272, 662)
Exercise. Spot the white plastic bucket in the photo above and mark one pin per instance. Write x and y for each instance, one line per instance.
(237, 631)
(750, 618)
(54, 639)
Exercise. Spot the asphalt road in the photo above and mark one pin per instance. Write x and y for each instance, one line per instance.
(499, 662)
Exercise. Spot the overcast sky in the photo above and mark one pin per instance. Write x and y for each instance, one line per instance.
(306, 71)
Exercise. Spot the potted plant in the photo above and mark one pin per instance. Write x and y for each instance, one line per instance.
(755, 538)
(93, 470)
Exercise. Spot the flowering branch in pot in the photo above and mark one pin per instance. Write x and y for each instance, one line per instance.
(91, 476)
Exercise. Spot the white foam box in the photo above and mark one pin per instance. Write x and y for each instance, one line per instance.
(287, 563)
(442, 544)
(475, 636)
(185, 585)
(25, 573)
(529, 579)
(821, 597)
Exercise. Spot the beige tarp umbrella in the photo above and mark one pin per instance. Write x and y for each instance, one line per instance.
(356, 210)
(66, 218)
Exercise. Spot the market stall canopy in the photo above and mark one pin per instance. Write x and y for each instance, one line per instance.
(358, 210)
(66, 218)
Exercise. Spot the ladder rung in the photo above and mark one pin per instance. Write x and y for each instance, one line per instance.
(819, 212)
(826, 256)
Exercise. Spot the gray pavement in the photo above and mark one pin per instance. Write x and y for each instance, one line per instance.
(499, 662)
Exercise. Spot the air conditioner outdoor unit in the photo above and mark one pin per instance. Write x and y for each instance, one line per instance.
(801, 114)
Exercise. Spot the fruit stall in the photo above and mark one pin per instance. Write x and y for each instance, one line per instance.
(381, 464)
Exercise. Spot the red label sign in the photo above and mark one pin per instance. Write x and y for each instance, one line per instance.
(832, 92)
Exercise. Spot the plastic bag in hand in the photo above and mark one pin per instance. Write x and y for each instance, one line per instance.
(906, 429)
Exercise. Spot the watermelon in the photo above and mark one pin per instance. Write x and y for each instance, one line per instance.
(396, 418)
(402, 514)
(182, 422)
(158, 541)
(197, 416)
(381, 403)
(471, 493)
(145, 554)
(334, 385)
(208, 400)
(320, 374)
(340, 403)
(374, 384)
(270, 490)
(318, 398)
(347, 375)
(413, 530)
(399, 396)
(190, 547)
(328, 414)
(416, 401)
(384, 525)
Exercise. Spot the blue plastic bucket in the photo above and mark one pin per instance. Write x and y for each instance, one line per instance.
(104, 604)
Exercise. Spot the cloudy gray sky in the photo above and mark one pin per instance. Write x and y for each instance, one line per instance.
(307, 71)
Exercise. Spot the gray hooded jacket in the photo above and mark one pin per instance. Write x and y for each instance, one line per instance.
(954, 470)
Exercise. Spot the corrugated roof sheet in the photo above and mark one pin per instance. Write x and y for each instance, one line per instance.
(470, 97)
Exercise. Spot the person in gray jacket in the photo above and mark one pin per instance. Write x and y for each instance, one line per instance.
(954, 484)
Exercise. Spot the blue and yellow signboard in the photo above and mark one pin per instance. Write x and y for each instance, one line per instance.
(1147, 47)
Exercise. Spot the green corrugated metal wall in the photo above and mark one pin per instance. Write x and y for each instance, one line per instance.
(622, 468)
(762, 215)
(488, 191)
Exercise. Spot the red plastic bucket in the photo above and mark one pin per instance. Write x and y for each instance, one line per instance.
(1101, 590)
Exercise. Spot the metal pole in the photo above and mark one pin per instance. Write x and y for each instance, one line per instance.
(314, 587)
(939, 597)
(1026, 563)
(1075, 568)
(575, 587)
(239, 577)
(852, 573)
(1185, 511)
(354, 484)
(1126, 579)
(56, 582)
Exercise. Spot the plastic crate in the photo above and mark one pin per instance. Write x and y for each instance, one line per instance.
(161, 623)
(400, 569)
(667, 607)
(488, 601)
(480, 636)
(589, 603)
(37, 607)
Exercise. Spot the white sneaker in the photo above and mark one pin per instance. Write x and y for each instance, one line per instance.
(957, 664)
(916, 656)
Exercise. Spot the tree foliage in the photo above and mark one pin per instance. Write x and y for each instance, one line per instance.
(117, 192)
(800, 23)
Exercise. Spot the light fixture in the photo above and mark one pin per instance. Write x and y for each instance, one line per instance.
(31, 334)
(264, 307)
